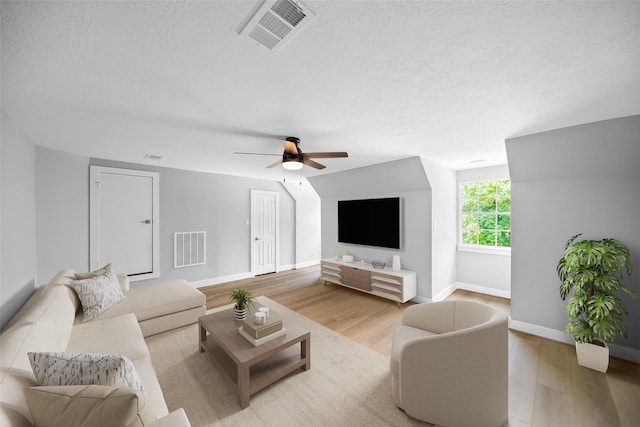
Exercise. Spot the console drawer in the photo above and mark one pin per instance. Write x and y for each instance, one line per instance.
(356, 278)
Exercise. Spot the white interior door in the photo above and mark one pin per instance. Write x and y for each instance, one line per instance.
(264, 231)
(124, 221)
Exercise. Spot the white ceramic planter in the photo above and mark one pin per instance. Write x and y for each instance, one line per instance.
(593, 356)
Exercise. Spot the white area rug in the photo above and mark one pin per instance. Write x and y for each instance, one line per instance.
(347, 385)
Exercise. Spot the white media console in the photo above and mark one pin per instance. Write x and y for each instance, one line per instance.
(398, 286)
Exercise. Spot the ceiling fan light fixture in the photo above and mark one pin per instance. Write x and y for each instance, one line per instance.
(292, 165)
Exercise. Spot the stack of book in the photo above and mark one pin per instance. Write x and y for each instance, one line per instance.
(259, 334)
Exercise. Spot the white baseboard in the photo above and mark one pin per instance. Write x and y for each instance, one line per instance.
(285, 268)
(248, 274)
(308, 263)
(222, 279)
(615, 350)
(540, 331)
(445, 292)
(442, 295)
(482, 289)
(625, 353)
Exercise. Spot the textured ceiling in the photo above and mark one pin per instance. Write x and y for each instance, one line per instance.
(381, 80)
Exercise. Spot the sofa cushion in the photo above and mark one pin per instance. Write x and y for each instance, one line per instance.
(98, 293)
(44, 322)
(84, 369)
(402, 335)
(158, 299)
(121, 335)
(92, 405)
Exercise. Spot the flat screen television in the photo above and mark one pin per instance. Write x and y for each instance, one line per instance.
(370, 222)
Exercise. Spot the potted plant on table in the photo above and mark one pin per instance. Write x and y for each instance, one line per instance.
(243, 299)
(592, 271)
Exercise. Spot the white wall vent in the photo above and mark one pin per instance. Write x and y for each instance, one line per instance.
(190, 248)
(276, 22)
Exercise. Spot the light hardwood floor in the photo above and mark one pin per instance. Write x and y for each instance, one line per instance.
(546, 385)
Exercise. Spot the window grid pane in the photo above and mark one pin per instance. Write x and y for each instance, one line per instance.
(485, 217)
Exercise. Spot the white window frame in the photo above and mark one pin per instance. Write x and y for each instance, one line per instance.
(485, 249)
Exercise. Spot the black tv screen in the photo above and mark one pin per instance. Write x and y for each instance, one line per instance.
(370, 222)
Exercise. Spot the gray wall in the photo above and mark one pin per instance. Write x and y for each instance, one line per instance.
(62, 211)
(308, 238)
(18, 220)
(403, 178)
(443, 227)
(579, 179)
(189, 201)
(219, 205)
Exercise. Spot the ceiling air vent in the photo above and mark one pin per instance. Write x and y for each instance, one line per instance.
(276, 22)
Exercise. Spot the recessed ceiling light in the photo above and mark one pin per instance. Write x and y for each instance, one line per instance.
(152, 157)
(478, 161)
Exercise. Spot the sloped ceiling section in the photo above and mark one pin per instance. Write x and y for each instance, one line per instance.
(398, 176)
(599, 149)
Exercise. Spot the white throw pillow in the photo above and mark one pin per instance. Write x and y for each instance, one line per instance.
(94, 273)
(98, 293)
(84, 369)
(123, 279)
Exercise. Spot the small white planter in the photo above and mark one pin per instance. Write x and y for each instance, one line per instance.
(593, 356)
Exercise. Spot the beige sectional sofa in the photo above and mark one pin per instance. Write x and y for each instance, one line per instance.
(49, 322)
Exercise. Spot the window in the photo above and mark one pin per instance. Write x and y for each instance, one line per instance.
(485, 214)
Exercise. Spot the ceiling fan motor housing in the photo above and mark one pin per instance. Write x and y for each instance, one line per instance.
(289, 155)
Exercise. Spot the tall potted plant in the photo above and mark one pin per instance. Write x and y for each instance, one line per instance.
(243, 299)
(591, 272)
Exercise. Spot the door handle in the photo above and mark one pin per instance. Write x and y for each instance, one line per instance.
(146, 221)
(257, 238)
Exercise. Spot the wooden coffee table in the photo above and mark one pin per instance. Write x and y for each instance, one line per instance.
(251, 368)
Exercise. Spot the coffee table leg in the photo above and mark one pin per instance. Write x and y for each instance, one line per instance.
(203, 338)
(243, 386)
(305, 353)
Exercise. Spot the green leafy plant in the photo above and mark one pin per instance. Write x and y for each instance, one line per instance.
(592, 270)
(243, 298)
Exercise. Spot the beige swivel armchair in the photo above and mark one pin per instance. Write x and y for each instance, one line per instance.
(449, 364)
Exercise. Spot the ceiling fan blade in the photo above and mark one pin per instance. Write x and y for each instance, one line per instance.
(274, 164)
(290, 147)
(326, 155)
(313, 164)
(257, 154)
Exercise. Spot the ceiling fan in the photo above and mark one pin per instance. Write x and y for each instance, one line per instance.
(293, 158)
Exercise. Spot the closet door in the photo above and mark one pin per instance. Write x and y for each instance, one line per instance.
(124, 221)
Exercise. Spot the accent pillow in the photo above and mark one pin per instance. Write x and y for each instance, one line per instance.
(93, 405)
(123, 279)
(84, 369)
(98, 293)
(94, 273)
